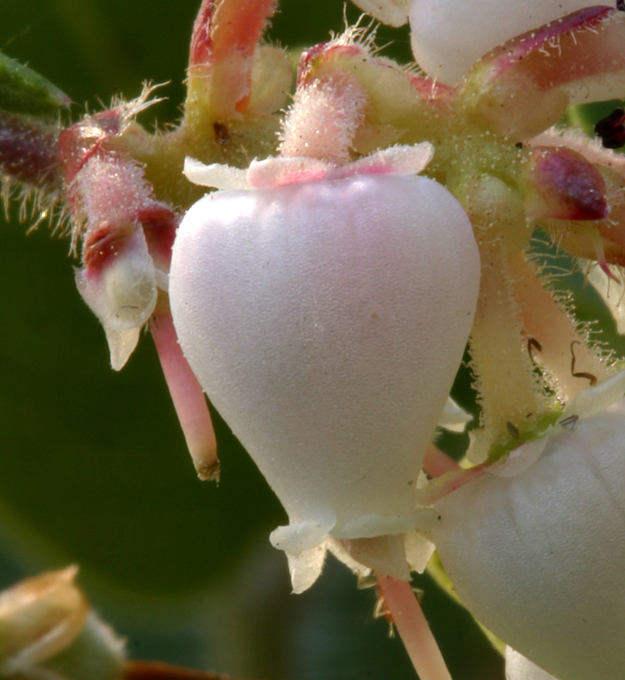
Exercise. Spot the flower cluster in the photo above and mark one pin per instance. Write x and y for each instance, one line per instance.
(323, 295)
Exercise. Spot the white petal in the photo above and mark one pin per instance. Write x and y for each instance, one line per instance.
(122, 294)
(520, 668)
(520, 459)
(216, 175)
(384, 554)
(419, 550)
(449, 36)
(612, 293)
(402, 159)
(391, 12)
(538, 557)
(121, 345)
(326, 321)
(305, 567)
(299, 537)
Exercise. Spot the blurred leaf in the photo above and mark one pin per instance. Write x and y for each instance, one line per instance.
(24, 91)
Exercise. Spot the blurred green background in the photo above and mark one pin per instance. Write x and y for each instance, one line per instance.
(93, 466)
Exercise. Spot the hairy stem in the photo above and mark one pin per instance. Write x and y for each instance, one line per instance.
(509, 395)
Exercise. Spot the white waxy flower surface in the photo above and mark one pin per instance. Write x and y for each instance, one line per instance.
(538, 557)
(520, 668)
(449, 36)
(326, 321)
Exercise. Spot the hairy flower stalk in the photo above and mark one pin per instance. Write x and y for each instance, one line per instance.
(324, 293)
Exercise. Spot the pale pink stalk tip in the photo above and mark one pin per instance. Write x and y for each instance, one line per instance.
(188, 397)
(406, 613)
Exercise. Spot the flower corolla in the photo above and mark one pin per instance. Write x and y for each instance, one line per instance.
(535, 549)
(448, 37)
(325, 311)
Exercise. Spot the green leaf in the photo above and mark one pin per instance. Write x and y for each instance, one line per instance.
(24, 91)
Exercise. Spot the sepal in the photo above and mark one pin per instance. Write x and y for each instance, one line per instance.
(577, 59)
(228, 75)
(26, 93)
(561, 184)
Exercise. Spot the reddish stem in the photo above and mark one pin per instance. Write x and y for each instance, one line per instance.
(436, 463)
(413, 628)
(147, 670)
(188, 397)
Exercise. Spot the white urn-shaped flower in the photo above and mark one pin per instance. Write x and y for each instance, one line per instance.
(538, 556)
(326, 318)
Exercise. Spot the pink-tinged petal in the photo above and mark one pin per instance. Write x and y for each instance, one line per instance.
(118, 279)
(524, 86)
(188, 397)
(448, 36)
(560, 183)
(568, 29)
(399, 160)
(275, 172)
(225, 36)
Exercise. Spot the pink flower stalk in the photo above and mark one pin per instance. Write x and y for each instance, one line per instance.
(127, 236)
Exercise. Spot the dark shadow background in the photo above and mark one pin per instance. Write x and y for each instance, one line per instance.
(93, 466)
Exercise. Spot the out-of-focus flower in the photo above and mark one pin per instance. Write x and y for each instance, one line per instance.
(48, 632)
(535, 549)
(448, 37)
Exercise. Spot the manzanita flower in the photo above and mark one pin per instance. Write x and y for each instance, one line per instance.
(324, 298)
(325, 311)
(535, 549)
(448, 37)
